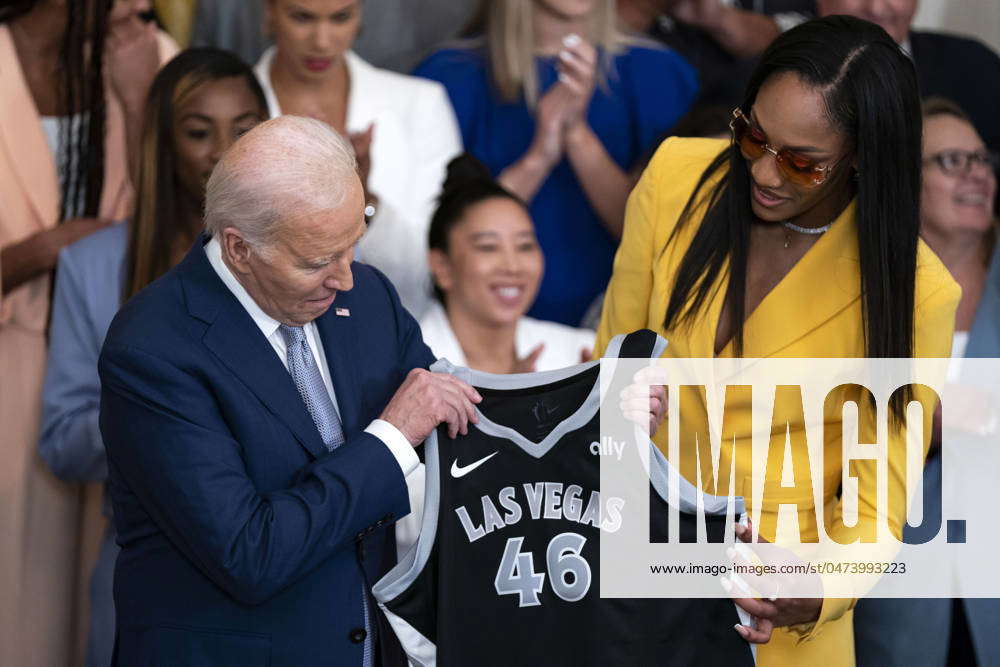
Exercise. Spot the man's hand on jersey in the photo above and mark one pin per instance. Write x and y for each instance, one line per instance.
(770, 609)
(645, 401)
(427, 399)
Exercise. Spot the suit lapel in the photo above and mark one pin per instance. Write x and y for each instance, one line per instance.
(234, 338)
(822, 284)
(340, 335)
(22, 136)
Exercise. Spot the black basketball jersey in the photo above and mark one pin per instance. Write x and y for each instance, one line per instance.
(505, 570)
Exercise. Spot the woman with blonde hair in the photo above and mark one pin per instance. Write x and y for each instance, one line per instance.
(560, 105)
(198, 105)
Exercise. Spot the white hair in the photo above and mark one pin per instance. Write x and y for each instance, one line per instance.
(286, 167)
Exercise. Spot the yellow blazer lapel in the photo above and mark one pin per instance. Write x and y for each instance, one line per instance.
(822, 284)
(694, 339)
(703, 331)
(22, 138)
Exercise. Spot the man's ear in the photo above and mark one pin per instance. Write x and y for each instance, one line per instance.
(440, 266)
(235, 250)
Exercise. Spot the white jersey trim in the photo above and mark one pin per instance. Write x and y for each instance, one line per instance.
(420, 650)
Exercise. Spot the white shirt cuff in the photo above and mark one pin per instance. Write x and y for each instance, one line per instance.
(397, 444)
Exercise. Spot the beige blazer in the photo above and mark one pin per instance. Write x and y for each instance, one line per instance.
(48, 529)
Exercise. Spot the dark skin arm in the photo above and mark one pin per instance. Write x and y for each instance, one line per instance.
(25, 260)
(132, 62)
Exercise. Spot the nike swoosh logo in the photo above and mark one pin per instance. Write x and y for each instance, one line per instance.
(461, 471)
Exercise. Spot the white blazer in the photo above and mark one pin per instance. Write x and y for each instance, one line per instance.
(415, 137)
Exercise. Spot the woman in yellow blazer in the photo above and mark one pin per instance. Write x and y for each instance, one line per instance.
(49, 529)
(797, 239)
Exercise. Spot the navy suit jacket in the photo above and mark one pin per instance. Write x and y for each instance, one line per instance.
(244, 542)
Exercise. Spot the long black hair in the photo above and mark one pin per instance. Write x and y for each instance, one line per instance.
(468, 182)
(870, 89)
(81, 91)
(156, 227)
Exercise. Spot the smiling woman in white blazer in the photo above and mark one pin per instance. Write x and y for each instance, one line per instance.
(403, 128)
(487, 265)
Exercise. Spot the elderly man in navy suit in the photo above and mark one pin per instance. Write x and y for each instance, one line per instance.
(260, 408)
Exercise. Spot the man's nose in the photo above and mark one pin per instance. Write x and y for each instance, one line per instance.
(341, 278)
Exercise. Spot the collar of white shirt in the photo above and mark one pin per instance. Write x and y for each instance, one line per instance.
(383, 430)
(268, 325)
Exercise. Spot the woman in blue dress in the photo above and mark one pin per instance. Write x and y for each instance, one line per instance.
(560, 105)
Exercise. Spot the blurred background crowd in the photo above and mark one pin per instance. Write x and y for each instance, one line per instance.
(498, 142)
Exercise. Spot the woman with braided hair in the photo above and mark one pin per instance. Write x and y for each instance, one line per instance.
(73, 78)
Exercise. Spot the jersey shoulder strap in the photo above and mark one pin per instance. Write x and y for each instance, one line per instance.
(640, 344)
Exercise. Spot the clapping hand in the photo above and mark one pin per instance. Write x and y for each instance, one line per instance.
(577, 73)
(700, 13)
(565, 104)
(133, 58)
(362, 144)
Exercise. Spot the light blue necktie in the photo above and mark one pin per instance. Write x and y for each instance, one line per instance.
(309, 382)
(304, 371)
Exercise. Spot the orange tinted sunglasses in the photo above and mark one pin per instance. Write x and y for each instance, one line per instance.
(800, 170)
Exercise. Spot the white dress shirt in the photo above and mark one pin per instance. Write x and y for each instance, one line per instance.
(381, 429)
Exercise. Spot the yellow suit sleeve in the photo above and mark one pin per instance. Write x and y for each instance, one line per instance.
(626, 301)
(934, 324)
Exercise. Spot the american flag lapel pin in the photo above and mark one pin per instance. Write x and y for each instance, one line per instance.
(343, 312)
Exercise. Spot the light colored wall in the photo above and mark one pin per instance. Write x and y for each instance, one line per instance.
(978, 18)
